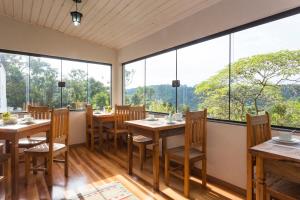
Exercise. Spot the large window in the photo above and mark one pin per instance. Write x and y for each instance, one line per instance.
(248, 71)
(29, 79)
(204, 76)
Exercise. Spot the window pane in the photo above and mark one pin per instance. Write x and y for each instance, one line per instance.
(160, 71)
(134, 83)
(13, 82)
(204, 75)
(44, 78)
(75, 76)
(99, 85)
(266, 71)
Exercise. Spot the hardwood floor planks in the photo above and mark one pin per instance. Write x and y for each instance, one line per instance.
(88, 169)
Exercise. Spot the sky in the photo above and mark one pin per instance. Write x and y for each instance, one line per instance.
(199, 62)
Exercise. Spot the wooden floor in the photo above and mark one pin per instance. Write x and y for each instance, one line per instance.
(88, 169)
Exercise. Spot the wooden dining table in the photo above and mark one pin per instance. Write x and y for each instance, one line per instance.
(155, 130)
(11, 134)
(101, 119)
(277, 158)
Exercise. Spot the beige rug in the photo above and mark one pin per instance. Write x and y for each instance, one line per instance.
(108, 191)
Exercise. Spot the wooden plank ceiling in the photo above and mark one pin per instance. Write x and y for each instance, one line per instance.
(112, 23)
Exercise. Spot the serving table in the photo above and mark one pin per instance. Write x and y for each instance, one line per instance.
(276, 157)
(101, 119)
(155, 130)
(11, 134)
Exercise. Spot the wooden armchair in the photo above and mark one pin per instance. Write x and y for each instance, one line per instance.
(37, 112)
(137, 113)
(91, 130)
(258, 131)
(194, 149)
(58, 144)
(121, 115)
(5, 175)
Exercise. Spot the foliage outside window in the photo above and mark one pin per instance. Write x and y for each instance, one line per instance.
(250, 71)
(34, 80)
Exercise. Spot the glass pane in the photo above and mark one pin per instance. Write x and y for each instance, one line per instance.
(75, 76)
(160, 71)
(134, 83)
(204, 75)
(266, 72)
(44, 78)
(99, 85)
(13, 82)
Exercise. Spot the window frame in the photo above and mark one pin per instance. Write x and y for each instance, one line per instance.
(61, 59)
(230, 31)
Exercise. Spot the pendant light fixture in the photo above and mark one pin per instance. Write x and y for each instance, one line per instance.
(76, 16)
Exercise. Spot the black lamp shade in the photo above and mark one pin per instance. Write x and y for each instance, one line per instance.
(176, 83)
(76, 17)
(61, 84)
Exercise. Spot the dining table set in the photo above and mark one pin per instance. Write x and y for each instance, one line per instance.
(11, 134)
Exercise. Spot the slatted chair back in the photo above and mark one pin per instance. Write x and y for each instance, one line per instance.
(121, 115)
(196, 130)
(39, 112)
(89, 116)
(59, 131)
(137, 112)
(258, 129)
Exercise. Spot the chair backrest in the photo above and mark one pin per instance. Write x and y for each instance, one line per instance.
(89, 115)
(258, 129)
(137, 112)
(196, 130)
(39, 112)
(121, 115)
(59, 131)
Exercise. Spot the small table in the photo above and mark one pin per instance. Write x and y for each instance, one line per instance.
(289, 154)
(101, 119)
(155, 130)
(12, 134)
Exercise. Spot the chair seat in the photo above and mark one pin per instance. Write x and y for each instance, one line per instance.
(118, 131)
(44, 148)
(284, 190)
(177, 154)
(30, 142)
(142, 139)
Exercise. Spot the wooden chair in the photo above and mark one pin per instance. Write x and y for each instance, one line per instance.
(91, 130)
(5, 175)
(258, 131)
(121, 115)
(194, 149)
(37, 112)
(58, 144)
(137, 113)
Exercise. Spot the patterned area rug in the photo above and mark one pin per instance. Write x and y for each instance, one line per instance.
(109, 191)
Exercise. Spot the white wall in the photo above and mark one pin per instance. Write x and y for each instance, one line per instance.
(18, 36)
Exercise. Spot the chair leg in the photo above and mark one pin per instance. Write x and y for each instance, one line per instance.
(45, 164)
(142, 155)
(116, 142)
(66, 164)
(49, 169)
(7, 186)
(92, 140)
(204, 172)
(27, 168)
(87, 143)
(34, 164)
(186, 180)
(167, 165)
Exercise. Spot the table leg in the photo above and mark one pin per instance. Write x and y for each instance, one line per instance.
(7, 146)
(156, 161)
(15, 167)
(260, 179)
(100, 135)
(164, 148)
(129, 152)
